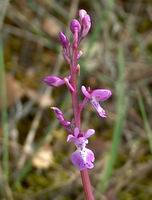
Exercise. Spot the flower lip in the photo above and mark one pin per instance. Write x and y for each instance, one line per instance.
(98, 108)
(83, 159)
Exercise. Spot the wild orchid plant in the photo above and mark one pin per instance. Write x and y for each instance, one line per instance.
(83, 158)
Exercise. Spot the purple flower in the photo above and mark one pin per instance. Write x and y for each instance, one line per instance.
(95, 96)
(83, 157)
(85, 22)
(75, 26)
(59, 115)
(55, 81)
(63, 40)
(66, 46)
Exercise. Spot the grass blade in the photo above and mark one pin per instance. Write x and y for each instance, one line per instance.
(4, 116)
(3, 97)
(145, 120)
(121, 111)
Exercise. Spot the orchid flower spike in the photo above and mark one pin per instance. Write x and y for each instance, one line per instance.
(82, 157)
(95, 96)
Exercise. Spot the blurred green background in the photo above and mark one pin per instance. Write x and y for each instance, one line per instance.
(117, 54)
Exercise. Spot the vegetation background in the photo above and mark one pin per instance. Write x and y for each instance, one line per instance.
(117, 54)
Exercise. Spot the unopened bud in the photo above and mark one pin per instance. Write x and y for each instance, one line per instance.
(63, 39)
(79, 54)
(75, 26)
(82, 13)
(78, 69)
(86, 25)
(54, 81)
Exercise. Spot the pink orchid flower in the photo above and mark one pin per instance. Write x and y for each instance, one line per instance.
(94, 96)
(83, 157)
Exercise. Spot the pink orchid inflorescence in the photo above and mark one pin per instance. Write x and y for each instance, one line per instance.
(83, 157)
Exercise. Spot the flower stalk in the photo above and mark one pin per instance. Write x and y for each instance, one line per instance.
(86, 185)
(76, 110)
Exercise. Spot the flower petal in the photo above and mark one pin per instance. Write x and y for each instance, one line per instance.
(98, 108)
(85, 92)
(101, 94)
(89, 133)
(71, 138)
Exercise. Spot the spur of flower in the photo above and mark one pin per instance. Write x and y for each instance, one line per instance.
(83, 157)
(94, 96)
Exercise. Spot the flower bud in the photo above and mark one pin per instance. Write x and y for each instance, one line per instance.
(60, 117)
(63, 39)
(75, 26)
(79, 54)
(54, 81)
(82, 13)
(86, 25)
